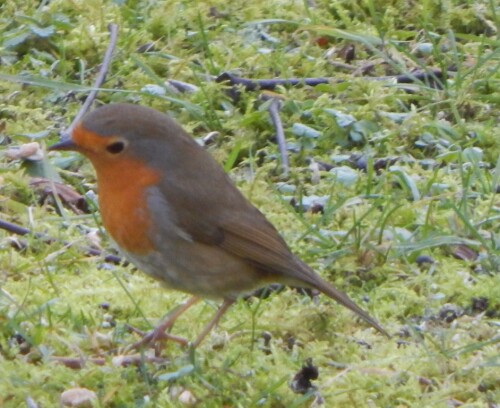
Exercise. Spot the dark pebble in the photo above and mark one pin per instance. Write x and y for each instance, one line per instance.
(424, 259)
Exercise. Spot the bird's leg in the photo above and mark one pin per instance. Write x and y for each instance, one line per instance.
(158, 333)
(164, 336)
(209, 326)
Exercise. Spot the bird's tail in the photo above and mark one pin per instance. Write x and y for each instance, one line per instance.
(314, 280)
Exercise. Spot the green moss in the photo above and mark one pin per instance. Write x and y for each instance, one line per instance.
(366, 241)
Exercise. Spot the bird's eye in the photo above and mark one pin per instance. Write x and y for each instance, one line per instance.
(116, 147)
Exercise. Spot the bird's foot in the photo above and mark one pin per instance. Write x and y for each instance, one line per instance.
(156, 339)
(159, 335)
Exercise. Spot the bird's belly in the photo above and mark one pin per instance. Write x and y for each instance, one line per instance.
(201, 270)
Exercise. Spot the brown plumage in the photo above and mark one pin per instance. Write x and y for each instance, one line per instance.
(177, 215)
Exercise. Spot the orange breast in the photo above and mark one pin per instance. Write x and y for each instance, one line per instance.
(122, 200)
(122, 182)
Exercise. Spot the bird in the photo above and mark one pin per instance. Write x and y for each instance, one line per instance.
(176, 215)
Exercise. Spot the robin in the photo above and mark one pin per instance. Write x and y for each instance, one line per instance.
(177, 216)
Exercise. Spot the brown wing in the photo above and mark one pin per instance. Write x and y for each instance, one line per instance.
(257, 241)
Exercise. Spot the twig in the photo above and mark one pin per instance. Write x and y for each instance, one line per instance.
(274, 112)
(77, 363)
(114, 259)
(113, 30)
(18, 230)
(432, 75)
(268, 84)
(342, 65)
(180, 86)
(15, 229)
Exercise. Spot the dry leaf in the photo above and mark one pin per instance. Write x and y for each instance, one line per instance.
(45, 189)
(30, 151)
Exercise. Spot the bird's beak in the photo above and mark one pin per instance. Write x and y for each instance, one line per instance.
(65, 144)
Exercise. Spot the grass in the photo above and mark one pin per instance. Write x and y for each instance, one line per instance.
(415, 177)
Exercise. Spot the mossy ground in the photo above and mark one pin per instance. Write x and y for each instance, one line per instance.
(439, 199)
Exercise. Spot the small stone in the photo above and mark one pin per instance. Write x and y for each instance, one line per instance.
(78, 397)
(186, 397)
(107, 317)
(102, 339)
(153, 89)
(94, 239)
(423, 49)
(267, 336)
(317, 208)
(423, 260)
(450, 312)
(480, 304)
(361, 163)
